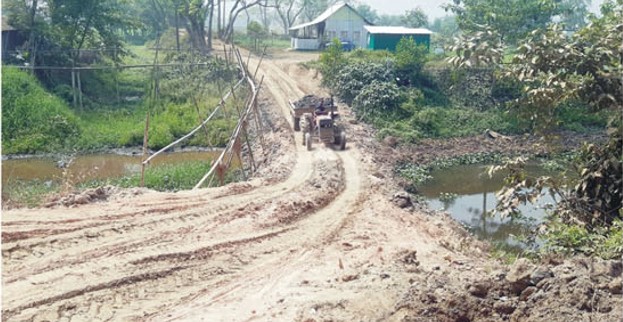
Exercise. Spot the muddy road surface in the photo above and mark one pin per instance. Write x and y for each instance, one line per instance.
(315, 235)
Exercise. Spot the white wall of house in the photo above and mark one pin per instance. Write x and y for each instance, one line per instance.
(346, 25)
(305, 43)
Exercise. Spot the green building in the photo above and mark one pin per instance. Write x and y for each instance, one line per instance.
(384, 37)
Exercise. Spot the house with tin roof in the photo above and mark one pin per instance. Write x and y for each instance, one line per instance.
(340, 21)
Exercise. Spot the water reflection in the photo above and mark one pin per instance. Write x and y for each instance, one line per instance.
(475, 201)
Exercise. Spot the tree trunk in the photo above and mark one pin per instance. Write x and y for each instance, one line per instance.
(177, 31)
(210, 16)
(218, 18)
(31, 38)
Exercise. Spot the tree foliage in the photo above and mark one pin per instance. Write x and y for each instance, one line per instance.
(331, 62)
(33, 120)
(445, 29)
(409, 60)
(353, 77)
(477, 49)
(377, 98)
(587, 67)
(584, 68)
(415, 18)
(511, 19)
(288, 11)
(368, 13)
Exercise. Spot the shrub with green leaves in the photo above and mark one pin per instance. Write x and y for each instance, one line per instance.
(33, 120)
(410, 58)
(378, 99)
(353, 77)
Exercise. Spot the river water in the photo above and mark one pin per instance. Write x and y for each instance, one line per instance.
(93, 166)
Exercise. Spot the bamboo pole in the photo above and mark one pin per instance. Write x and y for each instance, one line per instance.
(73, 87)
(145, 143)
(80, 91)
(257, 68)
(117, 78)
(230, 144)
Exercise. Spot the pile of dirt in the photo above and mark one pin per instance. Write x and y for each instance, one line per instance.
(578, 289)
(315, 101)
(81, 198)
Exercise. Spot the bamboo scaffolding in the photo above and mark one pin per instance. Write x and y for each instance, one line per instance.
(191, 133)
(235, 135)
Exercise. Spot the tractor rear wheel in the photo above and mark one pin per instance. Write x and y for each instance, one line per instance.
(342, 140)
(297, 123)
(308, 141)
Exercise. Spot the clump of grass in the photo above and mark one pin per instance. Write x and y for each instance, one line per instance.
(28, 193)
(167, 177)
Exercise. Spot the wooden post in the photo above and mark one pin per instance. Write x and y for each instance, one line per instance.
(80, 91)
(73, 86)
(259, 63)
(145, 142)
(117, 78)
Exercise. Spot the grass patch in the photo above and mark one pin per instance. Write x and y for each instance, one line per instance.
(28, 193)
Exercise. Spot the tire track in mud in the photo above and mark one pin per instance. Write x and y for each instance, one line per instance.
(286, 202)
(194, 213)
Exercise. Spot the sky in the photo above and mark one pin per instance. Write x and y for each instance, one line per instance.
(431, 7)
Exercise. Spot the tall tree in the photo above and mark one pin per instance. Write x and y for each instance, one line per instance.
(415, 18)
(574, 13)
(390, 20)
(230, 19)
(511, 19)
(195, 14)
(368, 12)
(76, 23)
(445, 29)
(288, 11)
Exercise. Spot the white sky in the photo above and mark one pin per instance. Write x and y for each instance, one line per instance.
(431, 7)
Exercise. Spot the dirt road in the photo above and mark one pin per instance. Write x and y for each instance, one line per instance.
(313, 237)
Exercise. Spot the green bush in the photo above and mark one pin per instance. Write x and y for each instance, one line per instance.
(410, 58)
(159, 136)
(353, 77)
(378, 99)
(399, 129)
(34, 120)
(457, 122)
(605, 242)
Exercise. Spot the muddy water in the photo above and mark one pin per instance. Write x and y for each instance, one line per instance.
(476, 199)
(87, 167)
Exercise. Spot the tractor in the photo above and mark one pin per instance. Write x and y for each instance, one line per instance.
(316, 118)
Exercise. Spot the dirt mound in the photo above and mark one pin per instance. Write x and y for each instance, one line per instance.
(313, 100)
(581, 289)
(81, 198)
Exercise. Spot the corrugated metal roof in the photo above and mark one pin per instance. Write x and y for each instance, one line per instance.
(325, 15)
(392, 30)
